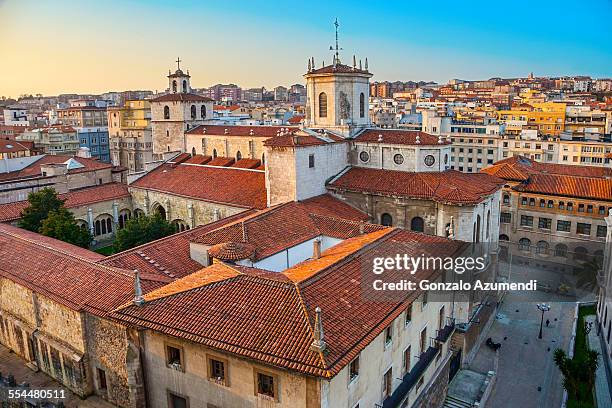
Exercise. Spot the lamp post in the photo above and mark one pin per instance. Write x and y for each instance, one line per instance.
(543, 308)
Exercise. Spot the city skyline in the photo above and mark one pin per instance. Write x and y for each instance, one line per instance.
(95, 48)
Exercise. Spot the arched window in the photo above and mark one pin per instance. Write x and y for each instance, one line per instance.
(238, 155)
(322, 105)
(561, 250)
(263, 158)
(542, 248)
(417, 224)
(193, 152)
(109, 225)
(361, 105)
(166, 112)
(506, 198)
(488, 223)
(386, 220)
(167, 133)
(103, 223)
(174, 86)
(503, 237)
(98, 229)
(203, 111)
(580, 254)
(184, 86)
(193, 111)
(161, 211)
(214, 153)
(524, 244)
(477, 229)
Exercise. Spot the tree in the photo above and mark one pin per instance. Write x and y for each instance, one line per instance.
(41, 203)
(60, 224)
(140, 230)
(577, 372)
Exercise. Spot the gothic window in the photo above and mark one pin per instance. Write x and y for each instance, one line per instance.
(166, 112)
(193, 151)
(167, 133)
(386, 220)
(238, 155)
(214, 153)
(361, 105)
(174, 86)
(203, 111)
(184, 86)
(322, 105)
(193, 111)
(263, 158)
(417, 224)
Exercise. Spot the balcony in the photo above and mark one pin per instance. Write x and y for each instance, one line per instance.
(444, 333)
(410, 379)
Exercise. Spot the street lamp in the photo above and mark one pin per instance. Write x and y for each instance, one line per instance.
(543, 308)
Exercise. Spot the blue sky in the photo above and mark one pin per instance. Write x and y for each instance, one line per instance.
(80, 46)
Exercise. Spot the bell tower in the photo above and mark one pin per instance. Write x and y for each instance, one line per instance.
(338, 94)
(178, 82)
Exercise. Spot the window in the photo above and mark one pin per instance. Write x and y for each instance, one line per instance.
(216, 371)
(322, 105)
(407, 359)
(388, 335)
(423, 340)
(561, 250)
(542, 248)
(174, 86)
(527, 220)
(550, 204)
(238, 155)
(408, 317)
(590, 209)
(364, 156)
(361, 105)
(506, 199)
(544, 223)
(354, 369)
(580, 254)
(177, 401)
(542, 203)
(580, 207)
(174, 357)
(532, 202)
(193, 151)
(602, 231)
(203, 111)
(166, 113)
(398, 159)
(101, 379)
(504, 237)
(505, 218)
(417, 224)
(311, 161)
(266, 385)
(602, 210)
(524, 244)
(193, 112)
(387, 383)
(214, 155)
(561, 205)
(386, 220)
(564, 226)
(184, 86)
(524, 201)
(570, 206)
(583, 229)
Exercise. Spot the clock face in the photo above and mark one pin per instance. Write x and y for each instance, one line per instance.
(364, 156)
(398, 159)
(429, 160)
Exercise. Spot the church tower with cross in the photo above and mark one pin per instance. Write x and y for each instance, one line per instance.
(338, 94)
(175, 112)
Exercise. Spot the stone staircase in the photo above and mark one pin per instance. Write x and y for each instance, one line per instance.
(454, 402)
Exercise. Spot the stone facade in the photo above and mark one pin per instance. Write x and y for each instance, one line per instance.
(250, 147)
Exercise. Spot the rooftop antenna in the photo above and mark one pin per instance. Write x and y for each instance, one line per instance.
(337, 49)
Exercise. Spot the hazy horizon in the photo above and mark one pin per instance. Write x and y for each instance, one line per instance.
(95, 47)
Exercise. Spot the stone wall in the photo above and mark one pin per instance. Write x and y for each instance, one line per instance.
(248, 146)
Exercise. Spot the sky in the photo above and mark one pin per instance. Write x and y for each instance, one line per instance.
(93, 46)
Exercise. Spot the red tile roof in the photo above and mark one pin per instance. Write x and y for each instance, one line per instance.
(234, 187)
(253, 131)
(298, 138)
(445, 187)
(12, 146)
(65, 273)
(296, 120)
(588, 182)
(274, 323)
(247, 164)
(221, 161)
(181, 97)
(402, 137)
(72, 199)
(198, 159)
(33, 170)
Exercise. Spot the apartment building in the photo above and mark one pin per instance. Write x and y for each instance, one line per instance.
(56, 139)
(131, 140)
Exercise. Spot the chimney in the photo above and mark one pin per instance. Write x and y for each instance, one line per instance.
(316, 249)
(318, 344)
(138, 298)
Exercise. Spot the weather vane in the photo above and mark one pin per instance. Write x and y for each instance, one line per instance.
(337, 49)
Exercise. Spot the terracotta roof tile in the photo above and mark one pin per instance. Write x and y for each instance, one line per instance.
(12, 146)
(236, 187)
(33, 170)
(181, 97)
(247, 164)
(446, 187)
(253, 131)
(72, 199)
(198, 159)
(221, 161)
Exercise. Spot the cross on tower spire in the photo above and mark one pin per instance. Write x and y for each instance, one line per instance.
(178, 63)
(337, 49)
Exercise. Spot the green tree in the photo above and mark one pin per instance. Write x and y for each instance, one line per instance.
(41, 203)
(578, 375)
(140, 230)
(60, 224)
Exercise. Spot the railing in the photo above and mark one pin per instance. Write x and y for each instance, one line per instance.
(410, 378)
(443, 334)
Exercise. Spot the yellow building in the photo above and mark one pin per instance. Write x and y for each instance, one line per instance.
(129, 129)
(546, 117)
